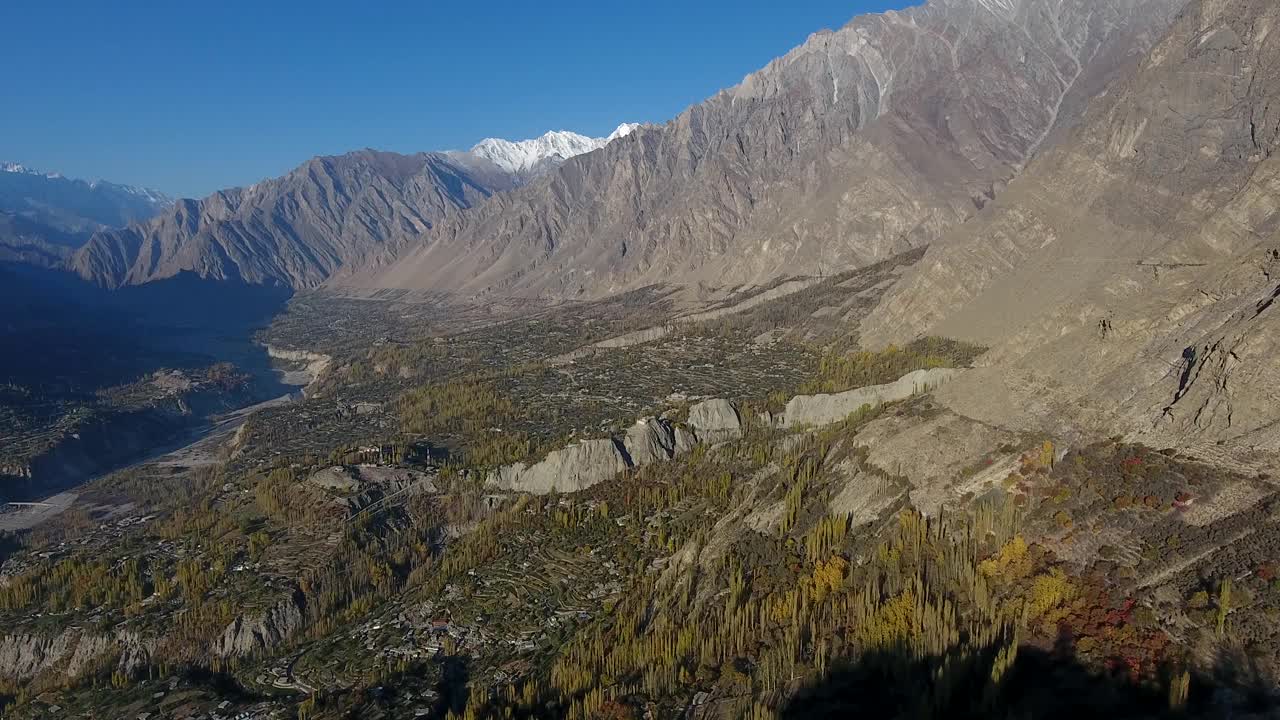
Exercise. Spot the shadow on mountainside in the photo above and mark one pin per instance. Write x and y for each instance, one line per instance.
(59, 330)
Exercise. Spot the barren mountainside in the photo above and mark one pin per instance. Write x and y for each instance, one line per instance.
(331, 213)
(857, 145)
(1126, 282)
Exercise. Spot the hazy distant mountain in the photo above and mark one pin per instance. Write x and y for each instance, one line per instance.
(857, 145)
(44, 217)
(27, 241)
(74, 206)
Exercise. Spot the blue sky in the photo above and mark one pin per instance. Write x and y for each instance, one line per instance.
(189, 97)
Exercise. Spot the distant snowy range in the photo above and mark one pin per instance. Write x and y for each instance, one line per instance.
(532, 157)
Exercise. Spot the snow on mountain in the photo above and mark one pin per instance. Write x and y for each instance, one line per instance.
(554, 147)
(152, 196)
(69, 207)
(623, 130)
(13, 167)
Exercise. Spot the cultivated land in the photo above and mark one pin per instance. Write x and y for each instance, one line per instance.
(343, 553)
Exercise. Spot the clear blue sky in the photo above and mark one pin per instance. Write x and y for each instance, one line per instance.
(188, 97)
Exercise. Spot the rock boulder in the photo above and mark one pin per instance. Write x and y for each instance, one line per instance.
(649, 440)
(715, 421)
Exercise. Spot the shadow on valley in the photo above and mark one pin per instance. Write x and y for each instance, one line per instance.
(67, 343)
(1039, 684)
(59, 330)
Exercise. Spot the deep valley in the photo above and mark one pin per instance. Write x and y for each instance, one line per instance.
(929, 372)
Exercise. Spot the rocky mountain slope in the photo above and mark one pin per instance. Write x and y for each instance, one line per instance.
(1126, 282)
(857, 145)
(297, 230)
(333, 215)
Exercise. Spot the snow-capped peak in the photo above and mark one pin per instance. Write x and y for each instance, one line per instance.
(552, 148)
(623, 130)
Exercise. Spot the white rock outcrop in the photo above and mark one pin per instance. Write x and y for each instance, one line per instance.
(587, 462)
(255, 633)
(649, 440)
(576, 467)
(815, 410)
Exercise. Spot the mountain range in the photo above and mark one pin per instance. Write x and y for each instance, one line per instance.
(330, 216)
(859, 144)
(529, 158)
(952, 126)
(72, 205)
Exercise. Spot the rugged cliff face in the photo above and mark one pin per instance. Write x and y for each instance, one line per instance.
(73, 651)
(329, 215)
(1126, 281)
(857, 145)
(70, 653)
(261, 632)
